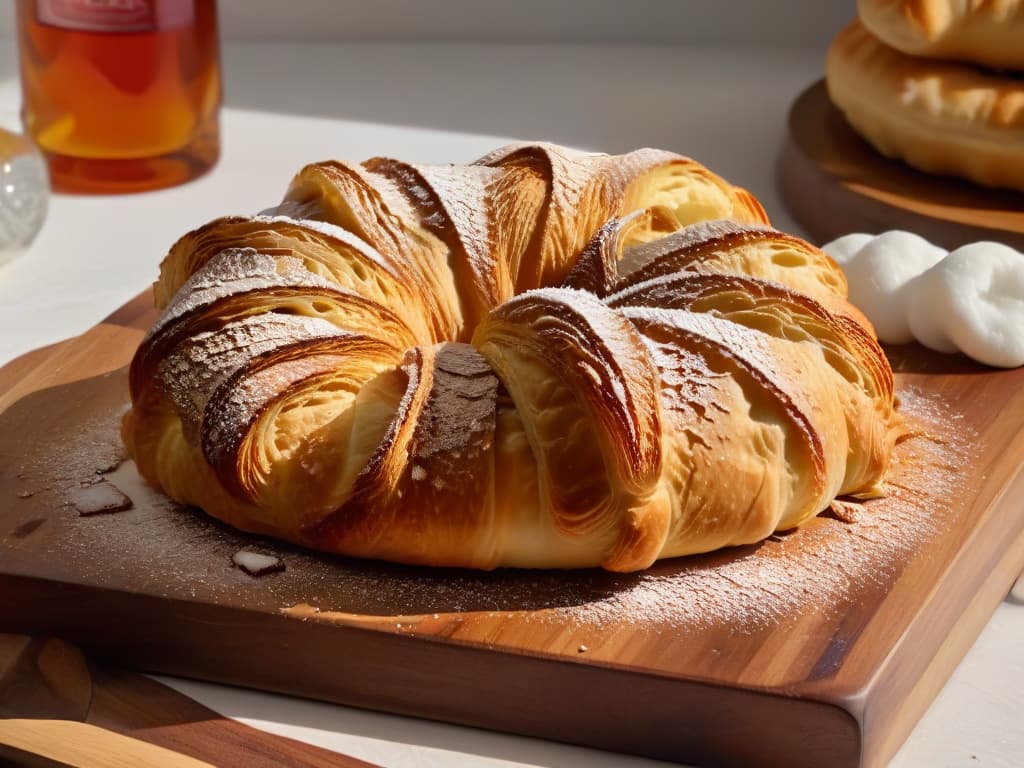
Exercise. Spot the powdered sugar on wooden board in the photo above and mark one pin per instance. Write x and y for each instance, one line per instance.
(164, 549)
(257, 563)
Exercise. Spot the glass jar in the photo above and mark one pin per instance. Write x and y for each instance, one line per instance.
(121, 95)
(24, 193)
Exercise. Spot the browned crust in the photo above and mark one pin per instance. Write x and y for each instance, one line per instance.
(692, 244)
(597, 268)
(684, 290)
(240, 305)
(596, 354)
(622, 396)
(481, 273)
(239, 402)
(425, 495)
(584, 190)
(374, 209)
(264, 233)
(245, 362)
(363, 518)
(705, 334)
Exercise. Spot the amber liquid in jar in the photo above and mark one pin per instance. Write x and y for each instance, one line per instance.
(121, 95)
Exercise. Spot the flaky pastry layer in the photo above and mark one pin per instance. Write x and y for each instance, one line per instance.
(544, 359)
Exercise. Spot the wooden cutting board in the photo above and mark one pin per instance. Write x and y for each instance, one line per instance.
(819, 647)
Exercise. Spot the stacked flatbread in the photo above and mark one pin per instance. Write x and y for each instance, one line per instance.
(938, 84)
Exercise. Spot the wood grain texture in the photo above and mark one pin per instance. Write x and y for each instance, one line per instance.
(834, 183)
(820, 647)
(66, 742)
(50, 679)
(43, 677)
(136, 706)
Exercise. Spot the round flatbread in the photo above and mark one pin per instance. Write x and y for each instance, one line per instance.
(985, 32)
(940, 117)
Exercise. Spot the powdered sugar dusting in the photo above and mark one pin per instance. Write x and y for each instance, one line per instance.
(751, 589)
(186, 554)
(96, 498)
(203, 362)
(821, 563)
(257, 563)
(235, 271)
(453, 203)
(332, 232)
(638, 261)
(604, 347)
(231, 411)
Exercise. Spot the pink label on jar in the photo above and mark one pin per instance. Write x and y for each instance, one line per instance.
(116, 15)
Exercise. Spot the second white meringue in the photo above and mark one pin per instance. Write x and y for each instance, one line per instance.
(971, 299)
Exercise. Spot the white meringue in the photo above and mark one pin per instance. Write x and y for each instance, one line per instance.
(971, 300)
(879, 274)
(985, 285)
(928, 325)
(842, 249)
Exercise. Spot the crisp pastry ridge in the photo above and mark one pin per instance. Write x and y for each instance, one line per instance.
(987, 33)
(546, 358)
(941, 117)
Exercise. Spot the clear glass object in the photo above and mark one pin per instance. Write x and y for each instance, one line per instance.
(24, 193)
(121, 95)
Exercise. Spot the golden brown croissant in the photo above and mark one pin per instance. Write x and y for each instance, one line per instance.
(542, 359)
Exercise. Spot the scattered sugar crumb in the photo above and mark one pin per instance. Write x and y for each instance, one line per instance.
(257, 564)
(99, 498)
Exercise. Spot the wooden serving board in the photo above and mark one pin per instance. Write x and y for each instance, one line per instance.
(819, 647)
(834, 183)
(50, 680)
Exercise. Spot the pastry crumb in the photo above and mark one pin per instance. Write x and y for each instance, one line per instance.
(99, 498)
(257, 564)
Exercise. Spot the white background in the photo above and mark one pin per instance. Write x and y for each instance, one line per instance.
(761, 23)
